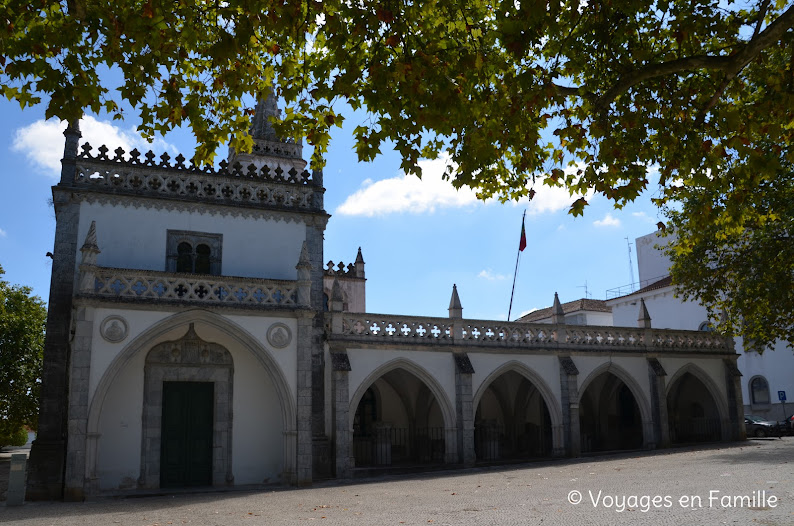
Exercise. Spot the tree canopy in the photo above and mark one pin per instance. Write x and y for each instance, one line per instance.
(618, 96)
(738, 260)
(22, 321)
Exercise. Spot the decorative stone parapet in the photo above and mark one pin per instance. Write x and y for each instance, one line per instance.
(384, 328)
(192, 288)
(341, 270)
(263, 187)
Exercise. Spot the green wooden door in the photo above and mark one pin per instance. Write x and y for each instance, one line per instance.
(186, 446)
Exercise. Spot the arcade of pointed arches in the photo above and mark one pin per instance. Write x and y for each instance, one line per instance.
(517, 415)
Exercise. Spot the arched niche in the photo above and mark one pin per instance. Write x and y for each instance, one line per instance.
(155, 335)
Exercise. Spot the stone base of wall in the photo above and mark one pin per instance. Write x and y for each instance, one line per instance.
(45, 471)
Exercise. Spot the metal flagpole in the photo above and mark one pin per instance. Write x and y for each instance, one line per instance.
(518, 255)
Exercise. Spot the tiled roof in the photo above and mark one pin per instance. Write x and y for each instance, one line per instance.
(583, 304)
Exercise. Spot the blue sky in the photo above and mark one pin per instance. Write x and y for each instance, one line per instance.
(417, 237)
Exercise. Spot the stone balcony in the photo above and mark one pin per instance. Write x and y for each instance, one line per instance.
(381, 329)
(147, 286)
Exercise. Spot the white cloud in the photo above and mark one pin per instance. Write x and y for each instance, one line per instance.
(490, 276)
(642, 216)
(607, 221)
(409, 194)
(42, 141)
(524, 313)
(3, 233)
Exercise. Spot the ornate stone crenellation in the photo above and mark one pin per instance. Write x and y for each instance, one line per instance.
(149, 285)
(343, 271)
(182, 164)
(264, 188)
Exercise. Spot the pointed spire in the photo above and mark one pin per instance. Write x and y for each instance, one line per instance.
(304, 268)
(72, 134)
(90, 249)
(359, 264)
(269, 149)
(303, 259)
(557, 314)
(455, 308)
(68, 167)
(261, 127)
(644, 321)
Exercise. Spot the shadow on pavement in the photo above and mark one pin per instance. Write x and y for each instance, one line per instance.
(151, 503)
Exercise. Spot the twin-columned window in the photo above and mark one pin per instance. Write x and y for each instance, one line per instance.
(193, 252)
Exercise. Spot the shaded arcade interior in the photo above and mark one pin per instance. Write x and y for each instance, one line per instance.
(609, 416)
(398, 422)
(692, 413)
(512, 421)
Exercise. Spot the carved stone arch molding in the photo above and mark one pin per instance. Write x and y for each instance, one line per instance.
(189, 359)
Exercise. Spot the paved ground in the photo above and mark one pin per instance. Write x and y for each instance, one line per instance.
(748, 483)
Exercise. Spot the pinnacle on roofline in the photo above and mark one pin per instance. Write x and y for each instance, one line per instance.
(644, 320)
(557, 314)
(455, 308)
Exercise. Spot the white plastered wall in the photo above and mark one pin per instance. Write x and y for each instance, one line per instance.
(666, 311)
(135, 238)
(652, 263)
(777, 366)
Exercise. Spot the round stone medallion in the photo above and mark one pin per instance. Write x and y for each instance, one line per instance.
(279, 335)
(113, 329)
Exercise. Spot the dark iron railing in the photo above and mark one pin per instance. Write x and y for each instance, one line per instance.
(512, 442)
(695, 430)
(394, 446)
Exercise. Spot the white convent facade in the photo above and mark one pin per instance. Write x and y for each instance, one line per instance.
(197, 338)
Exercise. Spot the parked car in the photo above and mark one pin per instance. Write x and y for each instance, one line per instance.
(759, 427)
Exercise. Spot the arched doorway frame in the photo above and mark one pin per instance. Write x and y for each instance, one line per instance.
(154, 335)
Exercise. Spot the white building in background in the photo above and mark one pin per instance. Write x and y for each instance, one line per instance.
(763, 375)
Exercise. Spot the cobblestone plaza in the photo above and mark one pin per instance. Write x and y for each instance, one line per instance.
(742, 483)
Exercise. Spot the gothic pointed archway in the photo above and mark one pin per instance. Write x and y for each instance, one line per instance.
(693, 412)
(514, 419)
(401, 417)
(613, 413)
